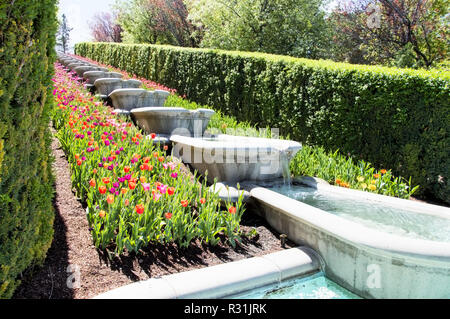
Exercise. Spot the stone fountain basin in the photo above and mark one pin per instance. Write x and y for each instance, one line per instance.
(80, 70)
(67, 61)
(105, 86)
(369, 261)
(92, 76)
(233, 159)
(72, 66)
(172, 120)
(128, 99)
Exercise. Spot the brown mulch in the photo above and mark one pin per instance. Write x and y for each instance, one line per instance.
(72, 247)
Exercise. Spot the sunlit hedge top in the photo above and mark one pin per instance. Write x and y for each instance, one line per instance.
(438, 74)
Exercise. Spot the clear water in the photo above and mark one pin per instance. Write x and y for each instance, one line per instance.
(316, 286)
(372, 214)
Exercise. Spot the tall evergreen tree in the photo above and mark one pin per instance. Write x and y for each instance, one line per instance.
(63, 36)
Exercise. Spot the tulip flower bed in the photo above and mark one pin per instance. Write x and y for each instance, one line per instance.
(135, 193)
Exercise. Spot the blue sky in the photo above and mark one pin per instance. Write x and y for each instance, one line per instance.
(79, 13)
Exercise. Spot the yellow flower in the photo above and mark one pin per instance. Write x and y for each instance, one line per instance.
(360, 179)
(363, 185)
(372, 187)
(373, 182)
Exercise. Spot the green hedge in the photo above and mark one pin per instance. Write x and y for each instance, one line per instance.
(27, 29)
(394, 118)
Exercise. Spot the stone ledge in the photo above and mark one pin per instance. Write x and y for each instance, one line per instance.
(221, 280)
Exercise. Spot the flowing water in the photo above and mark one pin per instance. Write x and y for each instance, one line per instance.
(284, 162)
(316, 286)
(372, 214)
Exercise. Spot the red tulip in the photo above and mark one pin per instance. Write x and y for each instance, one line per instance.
(140, 209)
(102, 189)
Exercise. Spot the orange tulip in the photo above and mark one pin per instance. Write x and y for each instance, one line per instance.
(110, 199)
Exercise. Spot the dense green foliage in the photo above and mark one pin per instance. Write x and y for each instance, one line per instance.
(27, 29)
(402, 33)
(394, 118)
(155, 21)
(291, 27)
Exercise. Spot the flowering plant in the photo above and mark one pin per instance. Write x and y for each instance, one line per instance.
(135, 193)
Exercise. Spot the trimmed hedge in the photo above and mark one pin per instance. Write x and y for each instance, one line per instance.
(394, 118)
(27, 29)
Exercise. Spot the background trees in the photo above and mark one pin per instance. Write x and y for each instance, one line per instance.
(63, 35)
(104, 28)
(408, 33)
(402, 33)
(292, 27)
(156, 21)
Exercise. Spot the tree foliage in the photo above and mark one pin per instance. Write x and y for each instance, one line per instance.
(292, 27)
(405, 29)
(156, 21)
(104, 28)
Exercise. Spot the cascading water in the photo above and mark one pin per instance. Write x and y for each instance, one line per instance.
(284, 162)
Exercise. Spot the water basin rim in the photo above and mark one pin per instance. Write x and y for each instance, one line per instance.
(85, 66)
(224, 141)
(350, 231)
(107, 80)
(95, 72)
(128, 90)
(90, 74)
(76, 64)
(171, 109)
